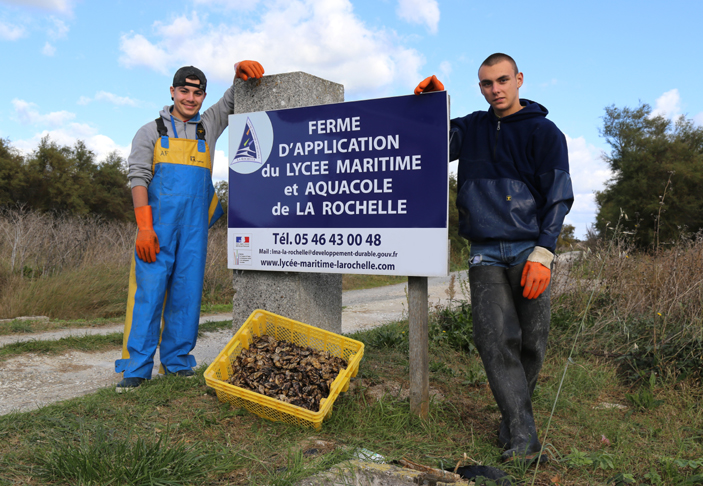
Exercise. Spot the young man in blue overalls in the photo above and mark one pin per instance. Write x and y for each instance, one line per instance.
(170, 171)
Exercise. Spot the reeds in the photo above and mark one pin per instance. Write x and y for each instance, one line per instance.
(643, 299)
(72, 267)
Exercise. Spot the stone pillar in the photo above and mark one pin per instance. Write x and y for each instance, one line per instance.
(312, 298)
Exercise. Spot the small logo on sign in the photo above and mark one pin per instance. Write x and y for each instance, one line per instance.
(250, 141)
(242, 241)
(249, 149)
(242, 257)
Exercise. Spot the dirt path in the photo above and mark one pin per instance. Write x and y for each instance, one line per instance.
(31, 381)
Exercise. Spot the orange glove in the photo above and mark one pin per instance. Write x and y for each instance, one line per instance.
(535, 278)
(536, 274)
(248, 69)
(147, 242)
(429, 84)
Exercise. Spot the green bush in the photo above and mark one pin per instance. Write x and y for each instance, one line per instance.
(453, 327)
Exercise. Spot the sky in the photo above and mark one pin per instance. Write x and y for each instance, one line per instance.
(97, 71)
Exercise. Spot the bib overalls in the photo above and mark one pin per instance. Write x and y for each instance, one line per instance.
(163, 306)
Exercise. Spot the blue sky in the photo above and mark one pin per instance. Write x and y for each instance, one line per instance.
(97, 71)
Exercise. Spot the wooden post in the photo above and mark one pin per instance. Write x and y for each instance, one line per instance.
(419, 360)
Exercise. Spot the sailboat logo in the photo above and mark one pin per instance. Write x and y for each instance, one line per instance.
(249, 149)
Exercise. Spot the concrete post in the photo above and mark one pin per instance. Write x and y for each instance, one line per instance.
(312, 298)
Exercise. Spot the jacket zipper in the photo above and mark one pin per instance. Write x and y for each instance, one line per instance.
(495, 144)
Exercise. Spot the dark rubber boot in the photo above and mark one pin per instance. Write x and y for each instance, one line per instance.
(498, 336)
(534, 318)
(504, 434)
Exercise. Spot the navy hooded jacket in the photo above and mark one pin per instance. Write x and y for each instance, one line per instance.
(514, 181)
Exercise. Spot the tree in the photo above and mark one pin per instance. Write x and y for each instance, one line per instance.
(111, 197)
(657, 169)
(567, 238)
(13, 175)
(222, 193)
(459, 244)
(66, 179)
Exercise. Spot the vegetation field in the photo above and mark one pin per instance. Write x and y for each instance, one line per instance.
(75, 270)
(618, 400)
(606, 428)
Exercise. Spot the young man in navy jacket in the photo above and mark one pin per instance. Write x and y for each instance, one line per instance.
(514, 192)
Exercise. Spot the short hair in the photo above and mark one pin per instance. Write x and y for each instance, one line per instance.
(499, 57)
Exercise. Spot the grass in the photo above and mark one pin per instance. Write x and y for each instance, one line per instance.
(641, 347)
(100, 454)
(214, 326)
(222, 308)
(181, 422)
(86, 343)
(46, 325)
(90, 342)
(70, 268)
(98, 291)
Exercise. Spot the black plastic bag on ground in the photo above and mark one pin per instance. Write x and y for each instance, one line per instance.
(484, 475)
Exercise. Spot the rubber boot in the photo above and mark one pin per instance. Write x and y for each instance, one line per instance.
(534, 316)
(498, 336)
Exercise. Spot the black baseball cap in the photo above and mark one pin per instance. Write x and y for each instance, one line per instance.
(179, 79)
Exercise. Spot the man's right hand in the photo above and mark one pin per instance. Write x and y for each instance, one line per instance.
(429, 84)
(147, 242)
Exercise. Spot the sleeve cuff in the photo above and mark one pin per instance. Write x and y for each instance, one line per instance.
(138, 182)
(541, 255)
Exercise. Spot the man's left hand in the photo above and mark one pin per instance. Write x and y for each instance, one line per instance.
(248, 69)
(536, 274)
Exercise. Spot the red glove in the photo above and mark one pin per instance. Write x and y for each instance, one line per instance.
(535, 279)
(248, 69)
(147, 242)
(429, 84)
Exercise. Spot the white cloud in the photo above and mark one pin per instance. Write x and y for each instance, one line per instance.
(27, 114)
(420, 12)
(137, 51)
(589, 172)
(699, 119)
(668, 105)
(445, 69)
(61, 6)
(110, 98)
(220, 169)
(550, 83)
(322, 37)
(59, 29)
(588, 169)
(101, 145)
(48, 50)
(11, 32)
(229, 4)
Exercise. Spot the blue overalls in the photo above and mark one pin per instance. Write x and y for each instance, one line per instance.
(163, 304)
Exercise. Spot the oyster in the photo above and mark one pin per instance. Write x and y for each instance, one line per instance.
(286, 372)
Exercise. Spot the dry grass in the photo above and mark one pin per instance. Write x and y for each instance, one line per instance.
(69, 267)
(642, 304)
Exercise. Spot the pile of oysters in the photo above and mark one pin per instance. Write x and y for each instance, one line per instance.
(285, 371)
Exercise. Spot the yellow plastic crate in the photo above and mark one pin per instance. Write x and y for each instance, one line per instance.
(260, 323)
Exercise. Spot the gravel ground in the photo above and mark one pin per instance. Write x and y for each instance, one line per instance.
(31, 381)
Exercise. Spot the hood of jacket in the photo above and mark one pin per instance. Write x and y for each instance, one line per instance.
(530, 109)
